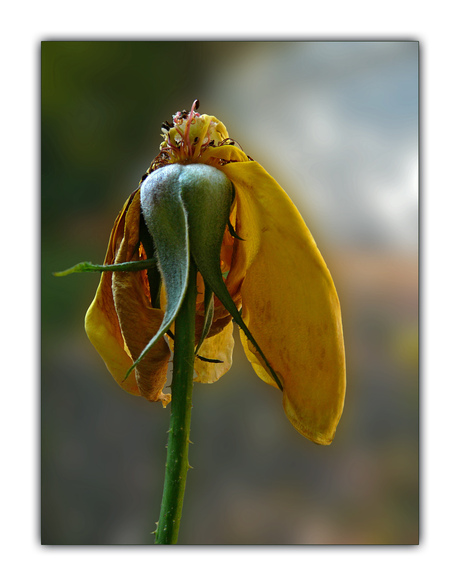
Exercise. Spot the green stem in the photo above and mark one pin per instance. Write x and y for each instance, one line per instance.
(181, 407)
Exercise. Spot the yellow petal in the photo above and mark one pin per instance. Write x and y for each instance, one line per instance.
(103, 330)
(101, 321)
(219, 347)
(139, 322)
(226, 152)
(289, 303)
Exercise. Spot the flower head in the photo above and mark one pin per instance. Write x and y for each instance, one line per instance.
(204, 198)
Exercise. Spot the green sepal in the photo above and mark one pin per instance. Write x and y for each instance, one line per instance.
(166, 220)
(208, 194)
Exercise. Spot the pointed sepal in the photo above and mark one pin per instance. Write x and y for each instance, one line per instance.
(207, 194)
(166, 220)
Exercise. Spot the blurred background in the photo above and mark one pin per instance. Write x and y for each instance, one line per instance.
(336, 124)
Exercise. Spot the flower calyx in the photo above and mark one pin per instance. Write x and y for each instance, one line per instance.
(186, 209)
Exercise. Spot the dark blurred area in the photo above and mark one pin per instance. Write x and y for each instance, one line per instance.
(255, 480)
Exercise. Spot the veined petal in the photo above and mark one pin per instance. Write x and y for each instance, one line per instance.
(121, 298)
(139, 321)
(289, 303)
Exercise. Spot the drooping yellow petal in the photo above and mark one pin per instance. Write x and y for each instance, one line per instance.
(289, 303)
(139, 321)
(102, 319)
